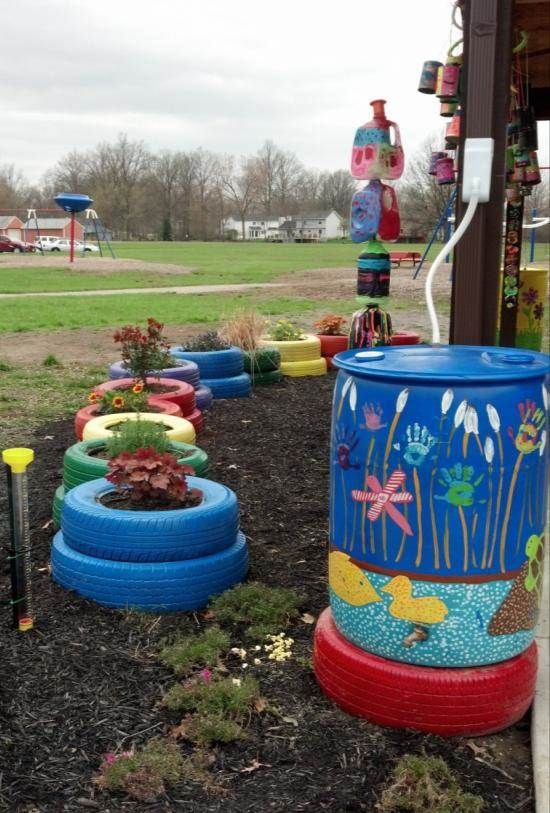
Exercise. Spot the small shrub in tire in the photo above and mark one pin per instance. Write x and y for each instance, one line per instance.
(149, 586)
(446, 701)
(149, 536)
(178, 392)
(304, 349)
(213, 363)
(264, 360)
(158, 405)
(176, 428)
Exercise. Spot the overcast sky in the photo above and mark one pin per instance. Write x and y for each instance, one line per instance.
(181, 74)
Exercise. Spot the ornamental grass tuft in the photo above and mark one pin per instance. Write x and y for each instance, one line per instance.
(191, 651)
(265, 610)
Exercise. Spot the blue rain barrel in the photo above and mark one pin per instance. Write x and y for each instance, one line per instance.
(438, 500)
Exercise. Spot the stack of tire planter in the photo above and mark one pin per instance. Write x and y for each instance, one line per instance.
(81, 464)
(103, 426)
(299, 357)
(330, 346)
(222, 371)
(263, 366)
(185, 371)
(158, 406)
(170, 390)
(152, 561)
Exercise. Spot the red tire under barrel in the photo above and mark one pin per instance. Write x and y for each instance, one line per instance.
(178, 392)
(465, 702)
(330, 345)
(88, 412)
(405, 337)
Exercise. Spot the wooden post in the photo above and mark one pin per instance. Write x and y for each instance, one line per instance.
(485, 99)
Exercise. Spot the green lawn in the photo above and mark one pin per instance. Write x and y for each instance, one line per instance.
(212, 264)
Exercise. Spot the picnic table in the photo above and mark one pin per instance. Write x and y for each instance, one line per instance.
(397, 257)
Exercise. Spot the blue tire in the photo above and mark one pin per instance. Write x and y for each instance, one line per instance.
(203, 397)
(149, 536)
(153, 586)
(186, 371)
(238, 386)
(214, 363)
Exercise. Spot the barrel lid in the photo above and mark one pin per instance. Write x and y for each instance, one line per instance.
(446, 363)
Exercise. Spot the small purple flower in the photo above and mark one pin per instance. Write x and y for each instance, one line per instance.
(538, 311)
(109, 758)
(530, 297)
(206, 675)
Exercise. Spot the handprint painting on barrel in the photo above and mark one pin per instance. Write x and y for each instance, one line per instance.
(439, 466)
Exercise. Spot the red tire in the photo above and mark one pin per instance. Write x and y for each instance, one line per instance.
(180, 393)
(88, 412)
(330, 345)
(466, 702)
(196, 419)
(405, 337)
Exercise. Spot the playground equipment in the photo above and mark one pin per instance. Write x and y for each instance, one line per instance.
(17, 460)
(73, 203)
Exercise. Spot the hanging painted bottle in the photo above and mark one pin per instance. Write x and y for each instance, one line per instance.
(373, 154)
(373, 271)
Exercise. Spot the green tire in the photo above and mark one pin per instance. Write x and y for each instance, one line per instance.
(80, 467)
(264, 360)
(273, 377)
(57, 506)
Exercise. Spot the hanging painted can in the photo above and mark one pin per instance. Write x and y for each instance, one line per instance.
(438, 501)
(448, 77)
(448, 109)
(444, 170)
(434, 158)
(452, 131)
(428, 76)
(373, 153)
(532, 171)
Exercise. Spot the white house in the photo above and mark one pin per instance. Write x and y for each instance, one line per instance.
(307, 228)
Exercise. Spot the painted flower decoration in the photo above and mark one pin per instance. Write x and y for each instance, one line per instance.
(460, 413)
(538, 311)
(459, 485)
(118, 402)
(446, 401)
(494, 418)
(373, 417)
(528, 437)
(93, 398)
(418, 444)
(137, 388)
(530, 296)
(489, 450)
(401, 400)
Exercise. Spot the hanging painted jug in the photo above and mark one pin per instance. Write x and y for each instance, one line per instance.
(373, 154)
(366, 207)
(390, 222)
(428, 77)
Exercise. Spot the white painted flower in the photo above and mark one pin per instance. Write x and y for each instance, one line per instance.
(494, 418)
(545, 396)
(353, 397)
(347, 384)
(402, 400)
(489, 449)
(542, 442)
(460, 413)
(471, 424)
(446, 401)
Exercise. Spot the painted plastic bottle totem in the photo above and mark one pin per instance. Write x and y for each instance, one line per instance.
(374, 210)
(373, 154)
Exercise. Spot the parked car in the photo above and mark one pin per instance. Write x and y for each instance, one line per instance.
(12, 245)
(45, 242)
(64, 244)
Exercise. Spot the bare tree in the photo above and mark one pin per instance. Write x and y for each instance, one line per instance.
(239, 185)
(336, 190)
(206, 170)
(421, 199)
(13, 187)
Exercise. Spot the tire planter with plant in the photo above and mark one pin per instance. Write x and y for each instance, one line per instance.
(176, 428)
(149, 586)
(263, 366)
(184, 371)
(158, 406)
(107, 532)
(330, 346)
(330, 332)
(237, 386)
(297, 369)
(444, 701)
(306, 349)
(167, 389)
(213, 363)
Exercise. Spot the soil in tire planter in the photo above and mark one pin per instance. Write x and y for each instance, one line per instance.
(123, 503)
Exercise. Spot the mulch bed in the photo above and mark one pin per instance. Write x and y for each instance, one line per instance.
(85, 681)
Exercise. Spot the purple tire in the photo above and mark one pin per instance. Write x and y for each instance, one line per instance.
(204, 397)
(185, 371)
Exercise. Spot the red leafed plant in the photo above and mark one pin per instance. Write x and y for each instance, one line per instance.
(149, 478)
(143, 351)
(330, 325)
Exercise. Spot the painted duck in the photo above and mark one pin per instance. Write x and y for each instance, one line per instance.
(420, 612)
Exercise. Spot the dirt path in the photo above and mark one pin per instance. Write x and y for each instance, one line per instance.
(99, 265)
(95, 346)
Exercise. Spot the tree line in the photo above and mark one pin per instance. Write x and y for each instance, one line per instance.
(180, 195)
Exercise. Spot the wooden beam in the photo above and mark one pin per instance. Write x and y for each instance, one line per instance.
(485, 99)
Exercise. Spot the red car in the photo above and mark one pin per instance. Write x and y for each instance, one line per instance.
(8, 244)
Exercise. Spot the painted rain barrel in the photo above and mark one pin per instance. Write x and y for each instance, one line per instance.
(439, 470)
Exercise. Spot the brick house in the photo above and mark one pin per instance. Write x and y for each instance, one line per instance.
(11, 226)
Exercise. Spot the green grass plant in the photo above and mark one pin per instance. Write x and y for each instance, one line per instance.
(218, 696)
(138, 434)
(192, 651)
(51, 361)
(264, 610)
(419, 783)
(144, 773)
(206, 729)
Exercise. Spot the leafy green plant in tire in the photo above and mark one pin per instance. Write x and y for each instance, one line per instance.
(138, 434)
(285, 331)
(205, 342)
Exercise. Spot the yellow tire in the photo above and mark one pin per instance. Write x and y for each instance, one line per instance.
(295, 369)
(177, 428)
(305, 349)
